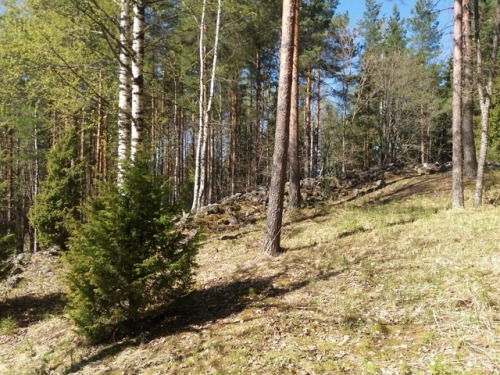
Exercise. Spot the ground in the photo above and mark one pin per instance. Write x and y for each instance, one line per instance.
(393, 282)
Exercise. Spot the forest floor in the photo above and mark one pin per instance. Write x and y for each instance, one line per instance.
(394, 282)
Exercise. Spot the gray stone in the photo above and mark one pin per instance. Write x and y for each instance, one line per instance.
(14, 280)
(233, 220)
(16, 271)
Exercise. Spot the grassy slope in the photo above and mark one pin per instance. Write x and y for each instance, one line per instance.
(392, 283)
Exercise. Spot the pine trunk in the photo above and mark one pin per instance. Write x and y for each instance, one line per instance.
(258, 116)
(278, 175)
(469, 148)
(457, 159)
(315, 131)
(307, 122)
(293, 152)
(233, 123)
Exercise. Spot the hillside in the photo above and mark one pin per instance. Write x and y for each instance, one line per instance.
(392, 282)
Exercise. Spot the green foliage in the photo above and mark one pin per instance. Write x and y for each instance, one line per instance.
(56, 209)
(8, 326)
(127, 260)
(395, 36)
(426, 35)
(7, 240)
(494, 136)
(7, 248)
(371, 25)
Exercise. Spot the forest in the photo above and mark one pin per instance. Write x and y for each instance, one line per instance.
(126, 125)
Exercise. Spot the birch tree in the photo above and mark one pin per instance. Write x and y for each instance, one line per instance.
(124, 94)
(205, 106)
(485, 92)
(138, 28)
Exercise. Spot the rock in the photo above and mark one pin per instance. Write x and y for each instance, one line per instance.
(229, 237)
(233, 220)
(211, 209)
(422, 171)
(21, 258)
(46, 271)
(182, 221)
(14, 280)
(214, 209)
(250, 220)
(233, 208)
(17, 271)
(53, 250)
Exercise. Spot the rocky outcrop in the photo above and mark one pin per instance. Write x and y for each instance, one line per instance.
(247, 208)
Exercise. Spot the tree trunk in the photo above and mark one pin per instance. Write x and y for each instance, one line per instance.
(422, 135)
(315, 131)
(36, 184)
(138, 30)
(233, 123)
(258, 116)
(469, 148)
(457, 173)
(277, 186)
(99, 153)
(10, 176)
(124, 94)
(485, 94)
(293, 152)
(307, 122)
(201, 109)
(199, 199)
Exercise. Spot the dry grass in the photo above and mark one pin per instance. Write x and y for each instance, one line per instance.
(392, 283)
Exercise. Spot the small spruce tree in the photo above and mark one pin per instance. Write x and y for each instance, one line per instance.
(57, 209)
(127, 260)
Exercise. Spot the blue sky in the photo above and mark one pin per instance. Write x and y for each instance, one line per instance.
(355, 8)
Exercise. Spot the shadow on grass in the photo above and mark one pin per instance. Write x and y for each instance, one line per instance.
(421, 187)
(198, 308)
(30, 309)
(301, 216)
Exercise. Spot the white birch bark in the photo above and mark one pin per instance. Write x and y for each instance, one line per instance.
(137, 76)
(123, 90)
(36, 189)
(485, 92)
(201, 148)
(201, 107)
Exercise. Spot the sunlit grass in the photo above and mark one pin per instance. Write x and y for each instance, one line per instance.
(391, 283)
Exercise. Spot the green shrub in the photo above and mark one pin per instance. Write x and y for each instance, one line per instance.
(7, 248)
(127, 260)
(7, 238)
(57, 209)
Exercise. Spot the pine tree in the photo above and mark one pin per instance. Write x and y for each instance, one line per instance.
(457, 173)
(277, 186)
